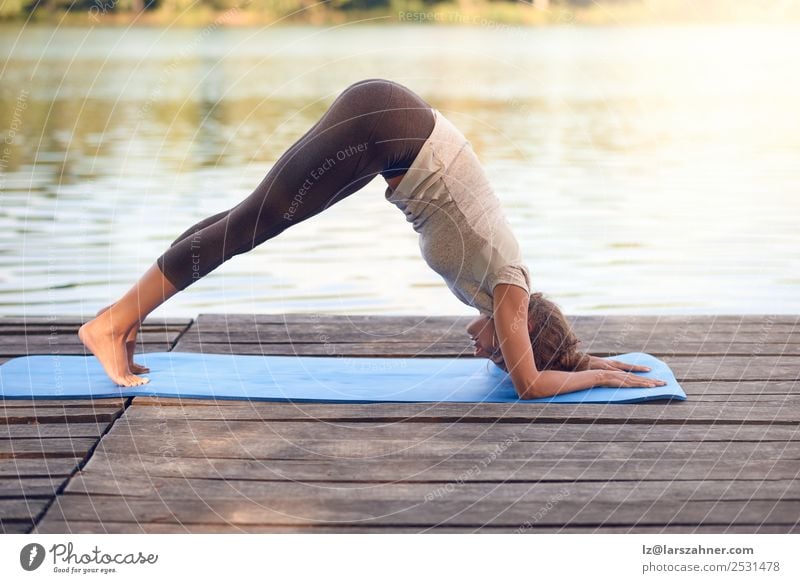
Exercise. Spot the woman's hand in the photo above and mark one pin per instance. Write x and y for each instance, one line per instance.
(616, 378)
(604, 364)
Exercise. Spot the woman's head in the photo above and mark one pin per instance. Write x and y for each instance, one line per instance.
(552, 339)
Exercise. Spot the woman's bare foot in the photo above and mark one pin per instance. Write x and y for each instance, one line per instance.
(108, 345)
(130, 348)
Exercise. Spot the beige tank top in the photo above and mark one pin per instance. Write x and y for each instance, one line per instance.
(463, 233)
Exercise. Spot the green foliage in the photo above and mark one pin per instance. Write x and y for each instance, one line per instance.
(359, 4)
(607, 11)
(11, 8)
(180, 5)
(20, 8)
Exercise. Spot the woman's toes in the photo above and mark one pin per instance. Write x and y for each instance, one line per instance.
(138, 368)
(122, 380)
(133, 381)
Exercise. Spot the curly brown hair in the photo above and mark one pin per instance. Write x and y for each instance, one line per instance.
(553, 341)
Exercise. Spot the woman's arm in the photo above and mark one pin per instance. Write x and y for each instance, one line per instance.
(511, 326)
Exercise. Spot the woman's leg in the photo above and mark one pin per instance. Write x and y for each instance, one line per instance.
(130, 339)
(340, 154)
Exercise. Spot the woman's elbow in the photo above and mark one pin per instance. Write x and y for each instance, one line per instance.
(531, 390)
(529, 395)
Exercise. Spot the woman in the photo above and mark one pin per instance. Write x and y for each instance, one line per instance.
(376, 126)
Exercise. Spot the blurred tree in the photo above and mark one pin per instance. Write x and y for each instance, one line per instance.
(10, 8)
(177, 5)
(359, 4)
(18, 8)
(135, 6)
(229, 4)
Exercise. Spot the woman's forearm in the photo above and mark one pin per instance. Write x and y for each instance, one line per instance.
(555, 382)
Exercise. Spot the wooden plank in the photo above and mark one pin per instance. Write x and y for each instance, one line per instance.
(15, 527)
(51, 431)
(753, 392)
(331, 511)
(442, 338)
(405, 350)
(255, 448)
(391, 329)
(47, 320)
(744, 389)
(266, 492)
(21, 509)
(332, 330)
(685, 368)
(601, 348)
(45, 414)
(19, 347)
(731, 391)
(110, 527)
(27, 487)
(20, 336)
(691, 327)
(690, 330)
(735, 368)
(411, 350)
(116, 403)
(30, 341)
(487, 432)
(621, 320)
(67, 349)
(59, 327)
(452, 342)
(38, 468)
(46, 448)
(705, 319)
(320, 334)
(662, 348)
(682, 413)
(761, 401)
(766, 399)
(498, 469)
(360, 320)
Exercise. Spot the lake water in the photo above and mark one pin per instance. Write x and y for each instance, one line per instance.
(644, 170)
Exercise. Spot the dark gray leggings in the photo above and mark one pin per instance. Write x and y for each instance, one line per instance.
(375, 126)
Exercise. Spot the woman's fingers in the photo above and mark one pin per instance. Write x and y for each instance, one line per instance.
(625, 366)
(623, 379)
(602, 364)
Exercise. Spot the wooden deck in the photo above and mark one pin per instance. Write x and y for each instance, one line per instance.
(725, 460)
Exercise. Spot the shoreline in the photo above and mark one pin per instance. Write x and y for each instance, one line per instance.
(512, 14)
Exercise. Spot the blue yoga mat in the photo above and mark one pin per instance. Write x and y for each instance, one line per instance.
(305, 378)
